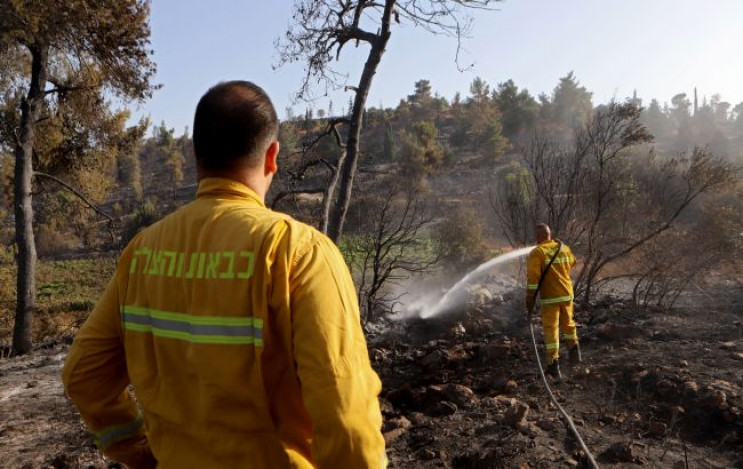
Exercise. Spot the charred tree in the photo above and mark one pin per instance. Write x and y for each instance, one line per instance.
(602, 192)
(323, 27)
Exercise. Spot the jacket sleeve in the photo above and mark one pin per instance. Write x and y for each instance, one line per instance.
(339, 386)
(95, 377)
(533, 272)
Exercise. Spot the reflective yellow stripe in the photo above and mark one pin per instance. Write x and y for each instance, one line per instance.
(562, 260)
(115, 433)
(573, 336)
(531, 286)
(559, 299)
(228, 330)
(552, 346)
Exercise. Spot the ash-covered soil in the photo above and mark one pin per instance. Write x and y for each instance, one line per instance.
(654, 389)
(463, 391)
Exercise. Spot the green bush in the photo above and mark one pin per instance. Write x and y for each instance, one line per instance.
(461, 241)
(145, 215)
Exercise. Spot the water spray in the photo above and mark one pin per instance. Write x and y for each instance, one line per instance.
(448, 297)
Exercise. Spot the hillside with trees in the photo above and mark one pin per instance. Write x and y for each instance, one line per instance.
(496, 155)
(648, 195)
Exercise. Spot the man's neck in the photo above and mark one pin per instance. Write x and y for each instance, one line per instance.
(244, 177)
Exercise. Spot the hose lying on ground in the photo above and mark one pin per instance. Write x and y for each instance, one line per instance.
(559, 407)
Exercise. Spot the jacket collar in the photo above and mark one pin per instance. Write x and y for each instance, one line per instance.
(221, 188)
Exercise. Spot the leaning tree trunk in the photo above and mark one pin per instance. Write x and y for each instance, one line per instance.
(327, 202)
(24, 234)
(347, 167)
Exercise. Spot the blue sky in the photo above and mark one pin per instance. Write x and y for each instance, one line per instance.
(658, 47)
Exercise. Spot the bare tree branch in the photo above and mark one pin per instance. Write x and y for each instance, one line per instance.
(75, 192)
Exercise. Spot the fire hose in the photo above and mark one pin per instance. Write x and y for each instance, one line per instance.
(565, 415)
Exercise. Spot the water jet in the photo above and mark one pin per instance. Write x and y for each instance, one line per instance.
(448, 300)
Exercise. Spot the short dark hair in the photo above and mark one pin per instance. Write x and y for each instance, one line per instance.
(542, 228)
(234, 123)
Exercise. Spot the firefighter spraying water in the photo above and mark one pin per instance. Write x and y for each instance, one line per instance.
(548, 277)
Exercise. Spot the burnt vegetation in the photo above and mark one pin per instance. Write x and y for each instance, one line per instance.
(647, 194)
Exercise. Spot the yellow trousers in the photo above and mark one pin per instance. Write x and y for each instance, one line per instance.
(558, 318)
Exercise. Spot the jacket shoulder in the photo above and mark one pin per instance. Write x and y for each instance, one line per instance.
(300, 236)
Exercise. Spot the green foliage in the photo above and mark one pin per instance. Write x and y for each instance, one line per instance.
(420, 153)
(288, 138)
(74, 56)
(146, 214)
(571, 104)
(68, 291)
(461, 241)
(477, 123)
(518, 109)
(655, 120)
(515, 179)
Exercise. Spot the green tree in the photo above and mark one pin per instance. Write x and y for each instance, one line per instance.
(571, 103)
(480, 124)
(288, 138)
(519, 110)
(422, 102)
(680, 110)
(420, 153)
(74, 53)
(656, 120)
(479, 93)
(129, 165)
(171, 154)
(720, 109)
(422, 94)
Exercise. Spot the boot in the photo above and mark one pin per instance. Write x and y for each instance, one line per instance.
(553, 369)
(574, 355)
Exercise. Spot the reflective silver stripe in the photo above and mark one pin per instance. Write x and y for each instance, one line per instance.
(559, 299)
(113, 434)
(196, 329)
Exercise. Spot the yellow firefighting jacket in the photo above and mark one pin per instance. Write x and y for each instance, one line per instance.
(239, 329)
(556, 287)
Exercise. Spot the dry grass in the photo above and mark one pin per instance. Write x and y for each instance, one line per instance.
(67, 291)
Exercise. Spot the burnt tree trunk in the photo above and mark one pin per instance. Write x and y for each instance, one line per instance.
(347, 166)
(24, 234)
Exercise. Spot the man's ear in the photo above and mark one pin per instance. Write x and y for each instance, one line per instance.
(271, 162)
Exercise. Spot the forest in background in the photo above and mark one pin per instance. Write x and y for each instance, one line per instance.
(413, 154)
(423, 135)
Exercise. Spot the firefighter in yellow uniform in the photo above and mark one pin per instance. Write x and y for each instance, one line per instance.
(237, 326)
(555, 296)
